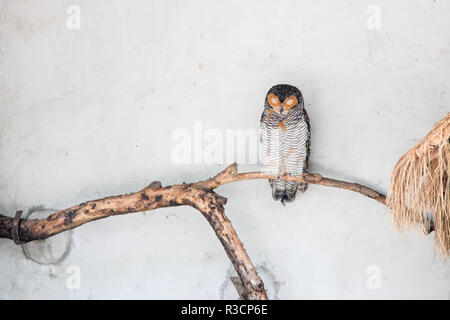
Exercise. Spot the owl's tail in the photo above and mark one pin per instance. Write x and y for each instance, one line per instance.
(286, 190)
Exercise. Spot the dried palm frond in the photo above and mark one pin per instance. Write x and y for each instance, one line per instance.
(419, 188)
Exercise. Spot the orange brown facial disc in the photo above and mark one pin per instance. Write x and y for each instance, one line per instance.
(273, 101)
(290, 102)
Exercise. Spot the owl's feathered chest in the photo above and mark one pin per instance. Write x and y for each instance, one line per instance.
(285, 140)
(284, 122)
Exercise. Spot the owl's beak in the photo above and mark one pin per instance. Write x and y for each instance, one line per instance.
(281, 109)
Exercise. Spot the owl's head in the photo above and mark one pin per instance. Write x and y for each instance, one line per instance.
(282, 98)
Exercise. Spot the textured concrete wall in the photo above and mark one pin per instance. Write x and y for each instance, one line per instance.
(93, 92)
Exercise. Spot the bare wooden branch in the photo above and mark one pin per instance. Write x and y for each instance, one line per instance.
(237, 283)
(198, 195)
(230, 174)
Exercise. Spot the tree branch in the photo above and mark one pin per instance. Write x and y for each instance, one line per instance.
(198, 195)
(231, 174)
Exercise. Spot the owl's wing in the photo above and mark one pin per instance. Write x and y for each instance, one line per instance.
(308, 139)
(261, 124)
(271, 141)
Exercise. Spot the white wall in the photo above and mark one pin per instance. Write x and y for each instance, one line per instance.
(89, 112)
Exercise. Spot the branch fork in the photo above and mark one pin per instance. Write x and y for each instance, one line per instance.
(199, 195)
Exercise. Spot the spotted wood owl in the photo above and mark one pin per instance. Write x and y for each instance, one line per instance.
(286, 139)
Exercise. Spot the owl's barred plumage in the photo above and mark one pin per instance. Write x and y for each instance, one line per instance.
(286, 139)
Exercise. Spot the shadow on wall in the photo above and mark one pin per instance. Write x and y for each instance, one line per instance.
(227, 290)
(53, 250)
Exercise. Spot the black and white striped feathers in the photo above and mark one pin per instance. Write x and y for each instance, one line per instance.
(286, 138)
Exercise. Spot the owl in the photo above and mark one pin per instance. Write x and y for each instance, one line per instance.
(286, 139)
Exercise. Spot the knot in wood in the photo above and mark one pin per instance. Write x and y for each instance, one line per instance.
(155, 185)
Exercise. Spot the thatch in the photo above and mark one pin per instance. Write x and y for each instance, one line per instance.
(419, 190)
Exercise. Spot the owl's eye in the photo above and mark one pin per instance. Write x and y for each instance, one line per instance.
(290, 102)
(273, 100)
